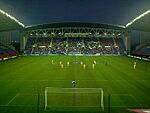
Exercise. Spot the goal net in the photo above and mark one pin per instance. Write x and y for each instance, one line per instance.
(74, 99)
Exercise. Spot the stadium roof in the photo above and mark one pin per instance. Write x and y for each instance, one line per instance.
(75, 24)
(140, 23)
(8, 22)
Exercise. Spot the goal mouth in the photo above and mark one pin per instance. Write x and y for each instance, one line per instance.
(74, 99)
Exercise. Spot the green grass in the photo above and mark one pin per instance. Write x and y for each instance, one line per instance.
(22, 78)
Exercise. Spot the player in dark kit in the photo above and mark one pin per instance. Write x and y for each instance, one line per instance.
(73, 83)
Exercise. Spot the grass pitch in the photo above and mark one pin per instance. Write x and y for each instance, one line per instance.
(22, 78)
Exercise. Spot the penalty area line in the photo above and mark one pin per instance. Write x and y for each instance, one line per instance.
(12, 99)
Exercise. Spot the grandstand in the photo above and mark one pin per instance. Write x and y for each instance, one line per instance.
(7, 25)
(75, 38)
(143, 50)
(39, 78)
(74, 46)
(6, 52)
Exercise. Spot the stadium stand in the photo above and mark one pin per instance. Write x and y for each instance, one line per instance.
(57, 46)
(74, 45)
(143, 50)
(6, 52)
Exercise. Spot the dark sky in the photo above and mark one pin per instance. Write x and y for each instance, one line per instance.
(31, 12)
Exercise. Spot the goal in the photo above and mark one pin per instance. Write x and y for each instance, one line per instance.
(74, 99)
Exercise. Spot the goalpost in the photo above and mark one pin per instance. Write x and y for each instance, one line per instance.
(74, 99)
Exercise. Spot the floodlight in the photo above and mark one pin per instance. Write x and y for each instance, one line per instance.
(11, 17)
(105, 33)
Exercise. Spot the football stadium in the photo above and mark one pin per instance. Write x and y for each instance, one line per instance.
(75, 67)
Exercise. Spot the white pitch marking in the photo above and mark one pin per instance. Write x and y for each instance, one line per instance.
(12, 99)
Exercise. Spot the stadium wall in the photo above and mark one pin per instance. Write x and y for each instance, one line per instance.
(5, 37)
(139, 37)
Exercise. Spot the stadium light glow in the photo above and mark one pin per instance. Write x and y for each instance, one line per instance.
(11, 17)
(105, 33)
(44, 34)
(137, 18)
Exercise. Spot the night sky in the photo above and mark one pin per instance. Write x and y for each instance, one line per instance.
(31, 12)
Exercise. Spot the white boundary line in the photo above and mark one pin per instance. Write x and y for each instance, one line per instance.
(121, 94)
(79, 80)
(12, 99)
(18, 105)
(136, 100)
(88, 106)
